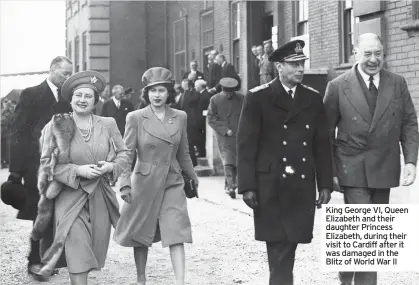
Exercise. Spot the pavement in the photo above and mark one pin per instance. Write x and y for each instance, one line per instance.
(224, 251)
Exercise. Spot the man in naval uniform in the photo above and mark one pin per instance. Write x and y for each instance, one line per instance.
(283, 150)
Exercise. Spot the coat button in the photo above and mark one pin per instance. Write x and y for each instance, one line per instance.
(304, 144)
(284, 159)
(170, 144)
(284, 175)
(284, 142)
(152, 146)
(167, 163)
(307, 127)
(155, 162)
(285, 127)
(303, 176)
(304, 159)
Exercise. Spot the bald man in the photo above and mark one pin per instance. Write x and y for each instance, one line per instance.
(117, 108)
(373, 113)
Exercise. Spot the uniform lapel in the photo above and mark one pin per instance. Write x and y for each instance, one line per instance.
(154, 127)
(302, 100)
(280, 97)
(385, 93)
(353, 91)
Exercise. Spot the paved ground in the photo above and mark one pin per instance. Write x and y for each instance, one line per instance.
(223, 253)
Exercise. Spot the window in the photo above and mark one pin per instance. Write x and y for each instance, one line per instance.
(77, 54)
(69, 9)
(69, 51)
(302, 17)
(235, 32)
(180, 48)
(84, 51)
(347, 30)
(207, 29)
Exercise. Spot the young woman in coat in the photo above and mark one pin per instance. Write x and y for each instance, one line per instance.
(81, 153)
(158, 209)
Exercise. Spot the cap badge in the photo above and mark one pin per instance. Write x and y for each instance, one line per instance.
(298, 48)
(93, 80)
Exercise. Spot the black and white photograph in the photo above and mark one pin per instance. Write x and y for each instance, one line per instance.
(209, 142)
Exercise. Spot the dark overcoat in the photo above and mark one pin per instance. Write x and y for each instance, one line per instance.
(228, 70)
(214, 74)
(367, 146)
(33, 111)
(223, 115)
(190, 104)
(283, 149)
(109, 109)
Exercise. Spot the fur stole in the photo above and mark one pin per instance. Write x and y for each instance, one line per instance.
(55, 145)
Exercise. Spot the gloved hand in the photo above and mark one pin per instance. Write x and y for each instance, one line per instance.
(126, 194)
(324, 197)
(15, 177)
(249, 197)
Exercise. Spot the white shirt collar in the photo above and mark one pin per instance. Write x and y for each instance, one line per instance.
(117, 102)
(287, 89)
(366, 77)
(53, 88)
(224, 63)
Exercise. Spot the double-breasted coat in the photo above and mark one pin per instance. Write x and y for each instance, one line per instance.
(34, 110)
(367, 146)
(190, 104)
(223, 115)
(158, 197)
(283, 150)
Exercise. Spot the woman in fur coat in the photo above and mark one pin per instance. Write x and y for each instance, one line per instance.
(81, 152)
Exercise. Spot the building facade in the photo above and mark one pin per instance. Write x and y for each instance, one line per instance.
(123, 38)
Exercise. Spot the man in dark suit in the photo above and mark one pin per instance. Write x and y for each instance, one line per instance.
(117, 108)
(255, 68)
(214, 70)
(189, 102)
(374, 114)
(204, 100)
(35, 108)
(193, 74)
(227, 70)
(283, 150)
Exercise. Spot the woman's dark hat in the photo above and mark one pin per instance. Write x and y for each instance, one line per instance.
(292, 51)
(13, 194)
(89, 78)
(155, 76)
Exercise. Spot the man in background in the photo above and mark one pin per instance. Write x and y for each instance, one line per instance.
(193, 74)
(117, 108)
(266, 67)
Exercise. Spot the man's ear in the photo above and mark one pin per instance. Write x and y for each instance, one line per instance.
(356, 52)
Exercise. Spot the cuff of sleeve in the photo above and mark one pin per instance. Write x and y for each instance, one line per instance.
(73, 179)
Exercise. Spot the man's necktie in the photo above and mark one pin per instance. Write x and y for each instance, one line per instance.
(373, 91)
(290, 92)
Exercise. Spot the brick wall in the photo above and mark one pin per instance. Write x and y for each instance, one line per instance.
(323, 22)
(222, 27)
(402, 51)
(288, 20)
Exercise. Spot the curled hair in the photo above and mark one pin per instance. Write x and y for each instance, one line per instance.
(170, 90)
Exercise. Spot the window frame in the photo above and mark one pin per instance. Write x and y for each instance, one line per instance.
(235, 35)
(177, 75)
(301, 22)
(77, 54)
(347, 35)
(70, 50)
(212, 30)
(84, 51)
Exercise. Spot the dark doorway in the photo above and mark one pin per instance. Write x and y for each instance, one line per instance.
(267, 24)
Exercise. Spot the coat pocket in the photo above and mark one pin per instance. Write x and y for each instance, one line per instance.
(263, 166)
(342, 136)
(143, 168)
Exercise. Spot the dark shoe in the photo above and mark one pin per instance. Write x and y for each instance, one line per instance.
(232, 193)
(33, 270)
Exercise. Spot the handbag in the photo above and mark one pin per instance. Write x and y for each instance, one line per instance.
(190, 190)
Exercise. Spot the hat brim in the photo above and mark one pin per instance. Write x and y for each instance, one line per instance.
(13, 194)
(156, 83)
(296, 58)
